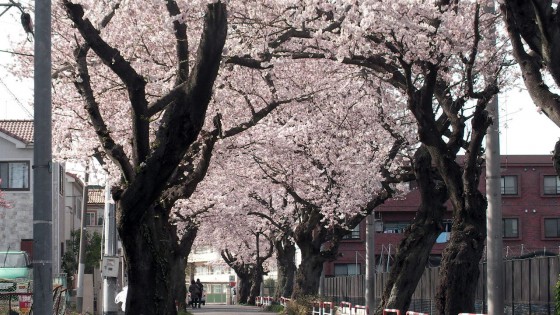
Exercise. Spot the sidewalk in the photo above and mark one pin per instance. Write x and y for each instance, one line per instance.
(222, 309)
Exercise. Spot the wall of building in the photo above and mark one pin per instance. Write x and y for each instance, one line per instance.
(530, 206)
(16, 222)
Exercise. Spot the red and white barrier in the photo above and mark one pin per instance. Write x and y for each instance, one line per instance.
(415, 313)
(327, 308)
(390, 311)
(317, 308)
(471, 314)
(345, 308)
(284, 301)
(267, 300)
(259, 301)
(361, 310)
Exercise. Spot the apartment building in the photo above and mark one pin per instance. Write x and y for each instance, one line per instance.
(530, 192)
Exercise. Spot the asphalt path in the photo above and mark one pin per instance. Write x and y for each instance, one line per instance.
(221, 309)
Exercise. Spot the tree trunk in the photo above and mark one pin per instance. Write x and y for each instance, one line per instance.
(178, 281)
(256, 281)
(414, 250)
(285, 260)
(460, 264)
(244, 288)
(148, 264)
(180, 255)
(308, 274)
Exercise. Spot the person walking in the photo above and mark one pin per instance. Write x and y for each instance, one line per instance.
(201, 291)
(195, 292)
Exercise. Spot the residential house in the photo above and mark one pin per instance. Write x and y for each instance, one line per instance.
(16, 223)
(530, 191)
(95, 209)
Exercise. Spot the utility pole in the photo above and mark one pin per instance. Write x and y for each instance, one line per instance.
(370, 262)
(42, 163)
(82, 254)
(494, 241)
(110, 261)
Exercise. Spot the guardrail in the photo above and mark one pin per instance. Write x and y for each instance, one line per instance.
(345, 308)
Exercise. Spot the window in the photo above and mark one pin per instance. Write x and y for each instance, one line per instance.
(395, 227)
(203, 250)
(551, 185)
(90, 219)
(552, 227)
(509, 185)
(14, 175)
(346, 269)
(510, 227)
(354, 234)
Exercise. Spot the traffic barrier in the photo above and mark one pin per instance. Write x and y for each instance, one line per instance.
(267, 300)
(259, 301)
(327, 308)
(345, 308)
(284, 301)
(415, 313)
(317, 308)
(361, 310)
(471, 314)
(390, 311)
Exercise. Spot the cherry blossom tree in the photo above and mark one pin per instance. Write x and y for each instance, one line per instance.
(315, 169)
(441, 58)
(535, 39)
(133, 83)
(150, 113)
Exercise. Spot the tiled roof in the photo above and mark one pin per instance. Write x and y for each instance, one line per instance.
(96, 195)
(19, 129)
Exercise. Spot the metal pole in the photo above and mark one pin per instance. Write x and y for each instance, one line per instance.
(370, 262)
(42, 164)
(82, 254)
(494, 242)
(110, 249)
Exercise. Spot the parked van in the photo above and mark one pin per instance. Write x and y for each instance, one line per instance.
(14, 267)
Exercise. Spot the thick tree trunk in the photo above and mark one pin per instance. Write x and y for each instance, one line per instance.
(178, 278)
(148, 264)
(244, 288)
(285, 260)
(460, 264)
(256, 281)
(181, 253)
(308, 273)
(414, 250)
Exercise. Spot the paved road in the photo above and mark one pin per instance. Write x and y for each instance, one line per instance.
(221, 309)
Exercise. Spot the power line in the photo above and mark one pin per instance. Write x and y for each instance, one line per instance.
(16, 53)
(17, 99)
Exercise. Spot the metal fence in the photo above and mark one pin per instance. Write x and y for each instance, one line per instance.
(17, 297)
(529, 287)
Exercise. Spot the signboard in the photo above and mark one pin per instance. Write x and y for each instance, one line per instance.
(22, 287)
(110, 266)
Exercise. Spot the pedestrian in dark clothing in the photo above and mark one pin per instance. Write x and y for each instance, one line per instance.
(195, 292)
(201, 290)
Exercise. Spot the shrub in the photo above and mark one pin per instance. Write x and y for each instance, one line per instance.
(300, 306)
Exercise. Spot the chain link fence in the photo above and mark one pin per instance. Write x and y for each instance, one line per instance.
(16, 297)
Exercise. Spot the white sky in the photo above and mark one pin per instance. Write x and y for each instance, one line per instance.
(523, 130)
